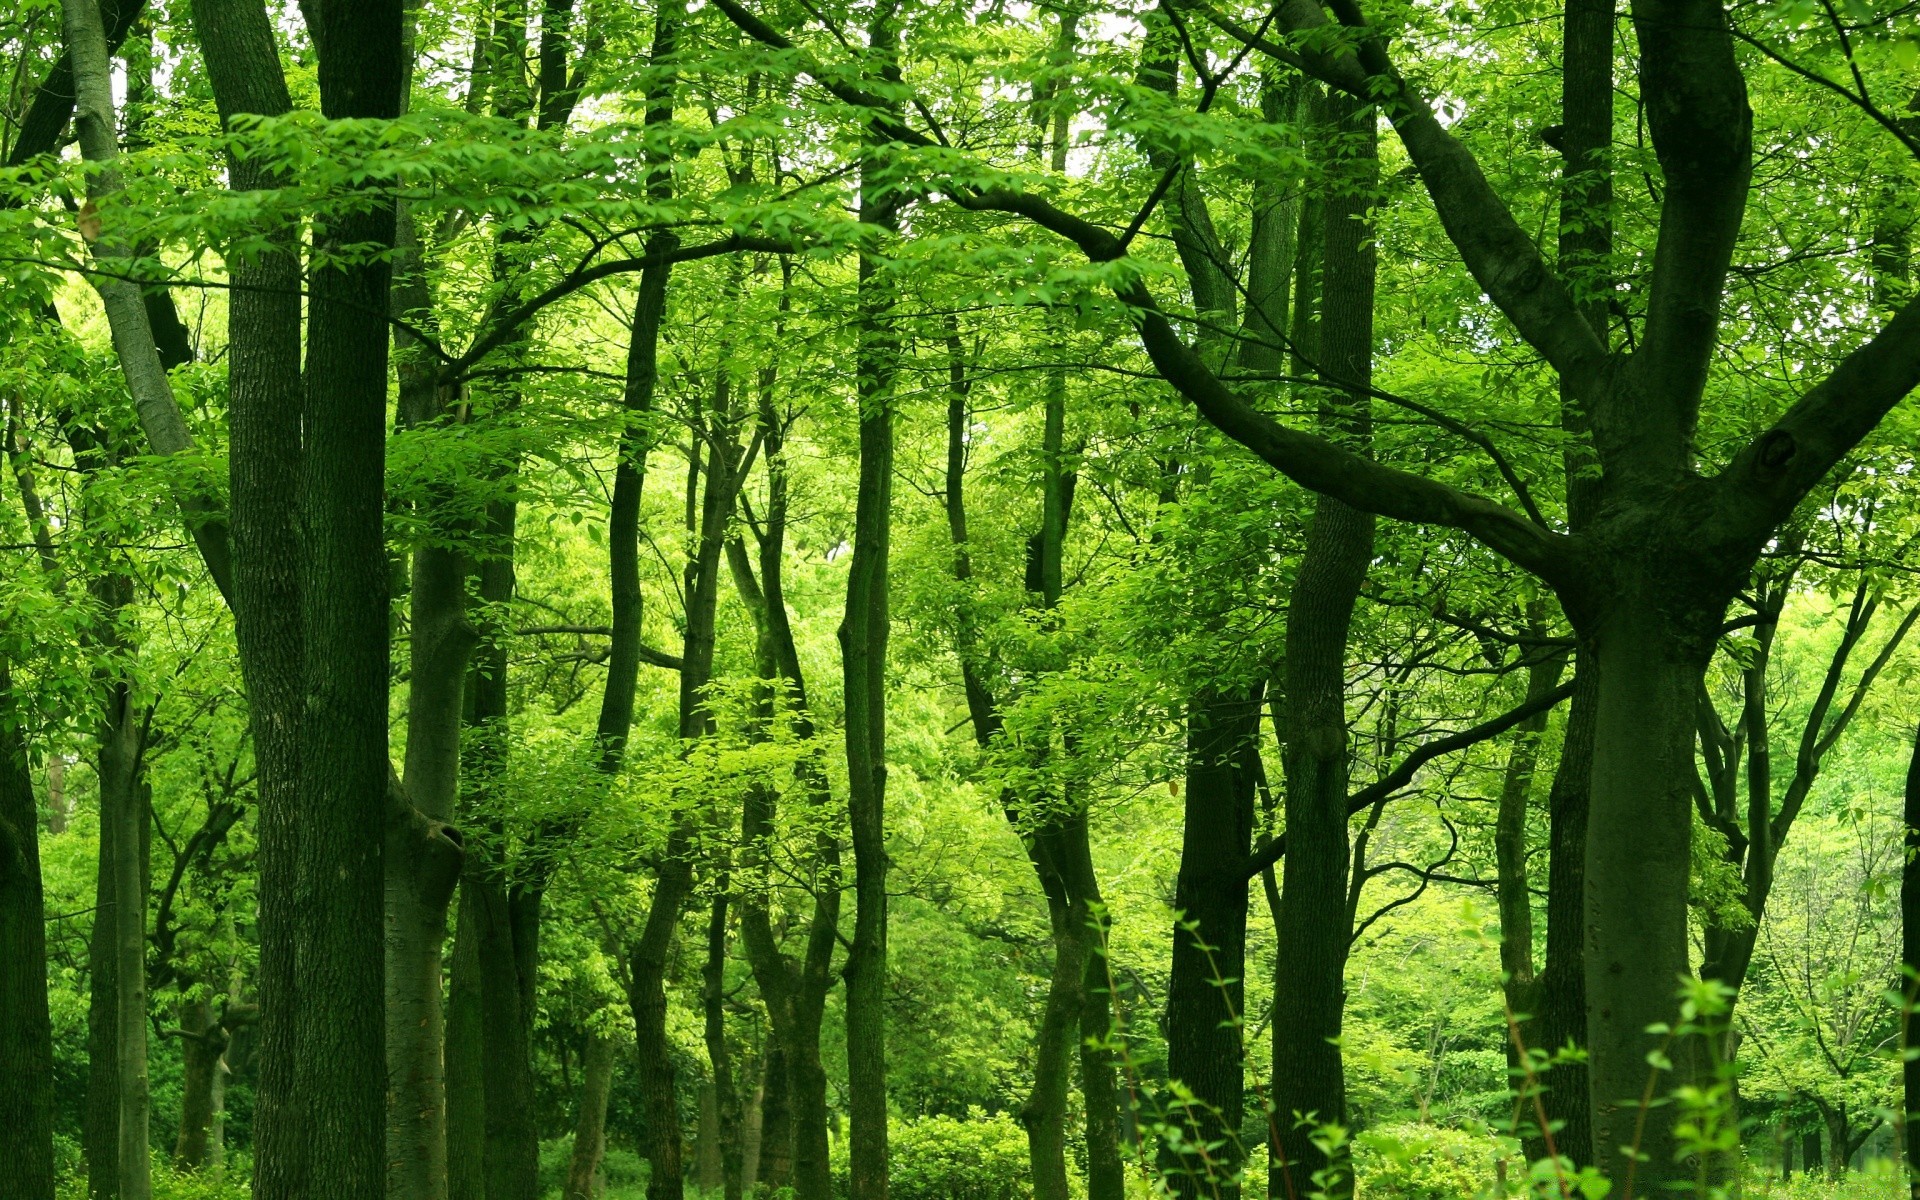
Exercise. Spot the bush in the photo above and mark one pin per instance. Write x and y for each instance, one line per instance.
(978, 1157)
(1424, 1162)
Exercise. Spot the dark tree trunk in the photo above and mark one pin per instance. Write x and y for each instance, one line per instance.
(26, 1030)
(339, 960)
(863, 649)
(590, 1123)
(1515, 898)
(100, 1135)
(1910, 968)
(265, 401)
(1205, 986)
(794, 1113)
(726, 1097)
(203, 1047)
(1563, 982)
(1309, 1085)
(1638, 858)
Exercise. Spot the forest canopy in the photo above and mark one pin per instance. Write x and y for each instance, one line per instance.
(1074, 601)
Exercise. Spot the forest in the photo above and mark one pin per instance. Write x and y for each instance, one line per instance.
(959, 599)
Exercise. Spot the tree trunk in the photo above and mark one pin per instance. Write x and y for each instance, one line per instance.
(1839, 1143)
(1910, 968)
(720, 1166)
(341, 1075)
(123, 804)
(26, 1030)
(863, 650)
(1205, 988)
(1638, 858)
(423, 852)
(590, 1123)
(465, 1054)
(265, 400)
(101, 1133)
(1563, 982)
(203, 1043)
(753, 1125)
(794, 1120)
(1309, 1086)
(1515, 897)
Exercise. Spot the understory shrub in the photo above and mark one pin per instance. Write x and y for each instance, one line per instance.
(1424, 1162)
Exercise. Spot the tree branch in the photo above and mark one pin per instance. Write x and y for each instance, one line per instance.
(1383, 789)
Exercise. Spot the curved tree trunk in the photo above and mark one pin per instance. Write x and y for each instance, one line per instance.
(1309, 1085)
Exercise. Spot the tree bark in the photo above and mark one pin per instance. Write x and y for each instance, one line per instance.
(590, 1124)
(794, 1115)
(341, 1074)
(203, 1046)
(100, 1136)
(265, 402)
(863, 649)
(1514, 895)
(725, 1157)
(1910, 968)
(1309, 1086)
(1638, 858)
(26, 1029)
(1563, 981)
(123, 804)
(1205, 985)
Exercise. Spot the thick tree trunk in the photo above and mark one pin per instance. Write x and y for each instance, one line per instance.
(590, 1123)
(1309, 1085)
(1205, 988)
(265, 401)
(26, 1030)
(1638, 858)
(341, 1075)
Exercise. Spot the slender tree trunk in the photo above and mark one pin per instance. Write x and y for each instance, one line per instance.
(863, 649)
(423, 852)
(341, 1074)
(265, 402)
(26, 1029)
(725, 1156)
(100, 1136)
(1910, 968)
(1309, 1086)
(123, 804)
(1563, 981)
(1585, 249)
(1515, 896)
(590, 1123)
